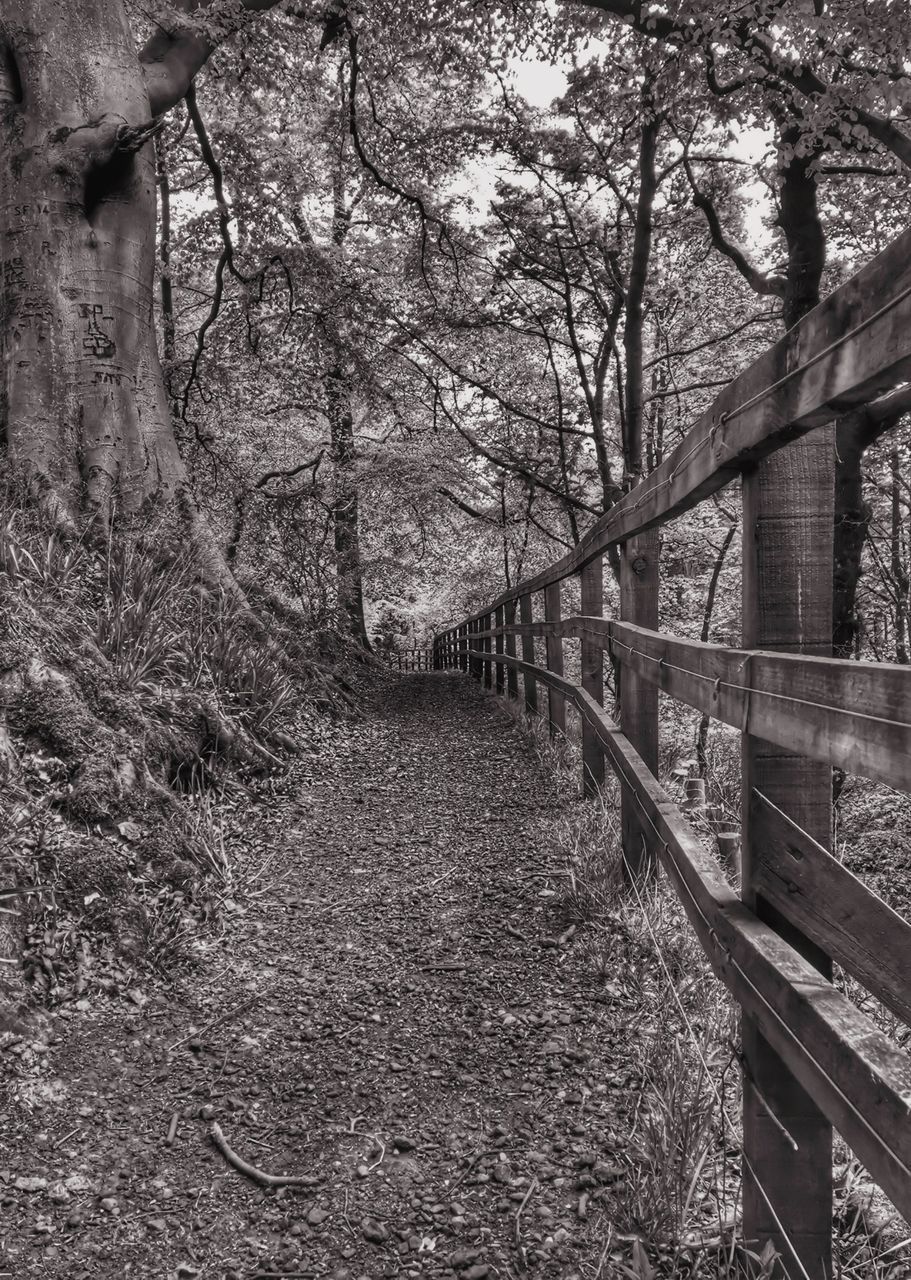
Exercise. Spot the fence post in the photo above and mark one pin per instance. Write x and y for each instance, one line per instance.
(475, 663)
(592, 601)
(556, 703)
(638, 697)
(787, 604)
(512, 676)
(487, 623)
(463, 647)
(500, 672)
(526, 617)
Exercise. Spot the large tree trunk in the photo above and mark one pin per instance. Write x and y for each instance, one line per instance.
(83, 410)
(345, 506)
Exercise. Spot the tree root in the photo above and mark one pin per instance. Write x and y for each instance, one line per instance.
(250, 1171)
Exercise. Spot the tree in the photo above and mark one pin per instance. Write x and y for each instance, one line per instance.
(83, 411)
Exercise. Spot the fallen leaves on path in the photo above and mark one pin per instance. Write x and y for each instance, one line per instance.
(396, 1023)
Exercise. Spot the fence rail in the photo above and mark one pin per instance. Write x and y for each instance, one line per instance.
(812, 1059)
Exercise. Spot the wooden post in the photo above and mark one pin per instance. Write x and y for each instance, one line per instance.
(487, 623)
(512, 676)
(477, 669)
(556, 703)
(463, 647)
(501, 671)
(592, 601)
(638, 697)
(526, 616)
(787, 604)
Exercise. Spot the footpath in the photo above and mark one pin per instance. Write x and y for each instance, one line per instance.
(410, 1034)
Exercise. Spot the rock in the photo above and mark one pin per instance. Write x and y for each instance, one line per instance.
(30, 1184)
(401, 1143)
(478, 1271)
(463, 1258)
(110, 1205)
(502, 1173)
(156, 1224)
(374, 1231)
(552, 1047)
(316, 1216)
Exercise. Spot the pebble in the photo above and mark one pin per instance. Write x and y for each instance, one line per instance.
(316, 1216)
(374, 1231)
(464, 1258)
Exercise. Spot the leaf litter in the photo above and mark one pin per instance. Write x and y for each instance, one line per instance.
(396, 1026)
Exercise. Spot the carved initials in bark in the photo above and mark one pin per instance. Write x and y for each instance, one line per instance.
(77, 244)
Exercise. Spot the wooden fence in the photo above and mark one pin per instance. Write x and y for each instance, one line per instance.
(413, 659)
(811, 1059)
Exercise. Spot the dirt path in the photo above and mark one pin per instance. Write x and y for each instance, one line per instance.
(420, 1044)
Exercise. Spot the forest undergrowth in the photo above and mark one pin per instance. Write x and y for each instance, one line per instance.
(680, 1200)
(139, 707)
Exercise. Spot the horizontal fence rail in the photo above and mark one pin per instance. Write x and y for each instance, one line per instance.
(812, 1059)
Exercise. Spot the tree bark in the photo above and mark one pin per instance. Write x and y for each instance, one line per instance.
(83, 411)
(633, 327)
(345, 505)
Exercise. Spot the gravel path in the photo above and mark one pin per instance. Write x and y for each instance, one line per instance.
(421, 1043)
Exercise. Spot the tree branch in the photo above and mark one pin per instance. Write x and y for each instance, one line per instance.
(759, 281)
(172, 57)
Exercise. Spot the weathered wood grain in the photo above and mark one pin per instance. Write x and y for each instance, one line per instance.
(856, 715)
(819, 895)
(638, 697)
(592, 603)
(528, 653)
(556, 703)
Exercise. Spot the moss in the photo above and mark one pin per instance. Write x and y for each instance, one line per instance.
(102, 788)
(55, 716)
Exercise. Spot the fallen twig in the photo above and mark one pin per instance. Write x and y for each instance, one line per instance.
(520, 1248)
(250, 1170)
(172, 1129)
(283, 1275)
(439, 879)
(211, 1026)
